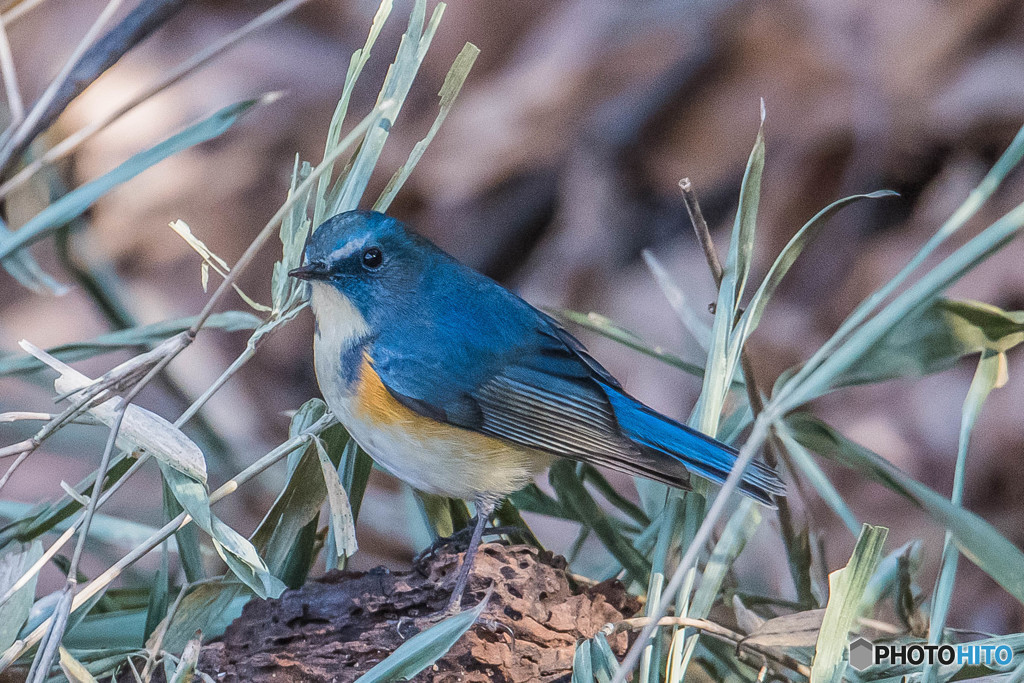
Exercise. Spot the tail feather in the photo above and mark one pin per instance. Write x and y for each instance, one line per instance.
(698, 452)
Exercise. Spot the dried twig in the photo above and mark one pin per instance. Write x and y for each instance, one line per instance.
(712, 629)
(774, 449)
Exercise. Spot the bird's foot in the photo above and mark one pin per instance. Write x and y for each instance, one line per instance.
(460, 540)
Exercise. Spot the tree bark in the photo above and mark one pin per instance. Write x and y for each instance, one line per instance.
(338, 627)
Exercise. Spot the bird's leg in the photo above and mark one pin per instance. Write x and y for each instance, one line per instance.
(484, 509)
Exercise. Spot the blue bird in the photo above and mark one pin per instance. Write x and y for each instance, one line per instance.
(460, 388)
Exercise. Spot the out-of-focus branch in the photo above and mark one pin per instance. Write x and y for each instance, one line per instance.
(197, 61)
(90, 60)
(13, 92)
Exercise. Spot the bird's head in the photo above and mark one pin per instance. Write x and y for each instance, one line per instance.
(364, 259)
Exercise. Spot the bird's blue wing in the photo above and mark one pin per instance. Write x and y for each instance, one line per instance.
(491, 363)
(543, 391)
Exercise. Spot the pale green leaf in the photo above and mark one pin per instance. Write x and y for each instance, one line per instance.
(153, 333)
(74, 203)
(977, 539)
(424, 648)
(342, 524)
(846, 592)
(453, 82)
(14, 612)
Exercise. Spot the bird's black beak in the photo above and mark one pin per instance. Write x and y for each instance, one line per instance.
(310, 271)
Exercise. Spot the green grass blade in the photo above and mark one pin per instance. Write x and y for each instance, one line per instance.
(236, 551)
(143, 335)
(14, 612)
(396, 87)
(74, 203)
(355, 69)
(531, 498)
(574, 495)
(933, 339)
(209, 607)
(281, 535)
(592, 475)
(582, 666)
(49, 515)
(453, 82)
(977, 539)
(605, 663)
(741, 245)
(989, 241)
(23, 267)
(723, 355)
(846, 591)
(595, 322)
(788, 256)
(741, 526)
(156, 609)
(698, 329)
(819, 480)
(887, 576)
(975, 200)
(990, 372)
(424, 648)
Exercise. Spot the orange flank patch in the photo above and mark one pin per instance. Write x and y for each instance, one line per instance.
(376, 404)
(433, 456)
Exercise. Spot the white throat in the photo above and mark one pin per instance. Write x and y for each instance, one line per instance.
(340, 325)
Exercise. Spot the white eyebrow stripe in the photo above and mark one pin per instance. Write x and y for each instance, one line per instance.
(349, 248)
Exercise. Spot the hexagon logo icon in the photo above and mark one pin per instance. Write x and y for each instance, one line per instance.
(861, 654)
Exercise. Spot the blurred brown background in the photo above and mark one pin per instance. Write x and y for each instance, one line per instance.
(557, 167)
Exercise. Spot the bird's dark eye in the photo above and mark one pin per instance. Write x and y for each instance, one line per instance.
(372, 258)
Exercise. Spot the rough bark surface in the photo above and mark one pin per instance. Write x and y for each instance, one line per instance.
(336, 628)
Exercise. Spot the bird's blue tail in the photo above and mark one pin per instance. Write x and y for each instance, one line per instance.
(698, 452)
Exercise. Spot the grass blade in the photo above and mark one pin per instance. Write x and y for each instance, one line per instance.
(595, 322)
(846, 590)
(574, 495)
(453, 82)
(989, 184)
(989, 375)
(977, 539)
(342, 523)
(424, 648)
(788, 256)
(818, 479)
(723, 355)
(934, 339)
(582, 666)
(143, 335)
(14, 612)
(74, 203)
